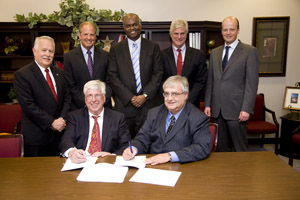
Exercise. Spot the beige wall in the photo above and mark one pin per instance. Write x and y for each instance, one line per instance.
(198, 10)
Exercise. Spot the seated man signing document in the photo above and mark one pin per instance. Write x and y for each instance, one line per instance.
(176, 131)
(94, 130)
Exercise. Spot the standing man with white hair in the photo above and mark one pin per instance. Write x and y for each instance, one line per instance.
(43, 95)
(186, 61)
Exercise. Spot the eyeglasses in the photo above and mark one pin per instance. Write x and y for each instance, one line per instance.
(96, 96)
(173, 94)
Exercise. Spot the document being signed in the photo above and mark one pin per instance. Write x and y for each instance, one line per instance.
(137, 162)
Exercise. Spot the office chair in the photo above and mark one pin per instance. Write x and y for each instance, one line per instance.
(295, 141)
(257, 124)
(213, 128)
(11, 145)
(10, 118)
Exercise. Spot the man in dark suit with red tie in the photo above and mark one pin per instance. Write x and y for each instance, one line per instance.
(135, 72)
(94, 130)
(85, 63)
(180, 59)
(42, 93)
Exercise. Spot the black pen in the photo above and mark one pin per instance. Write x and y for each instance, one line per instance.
(130, 146)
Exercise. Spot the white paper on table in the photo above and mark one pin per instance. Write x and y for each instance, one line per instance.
(156, 176)
(138, 162)
(70, 166)
(103, 172)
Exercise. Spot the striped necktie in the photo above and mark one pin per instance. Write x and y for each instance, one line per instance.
(135, 57)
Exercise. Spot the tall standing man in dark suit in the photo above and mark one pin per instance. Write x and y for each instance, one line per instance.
(185, 61)
(135, 73)
(176, 131)
(231, 87)
(85, 63)
(42, 93)
(80, 136)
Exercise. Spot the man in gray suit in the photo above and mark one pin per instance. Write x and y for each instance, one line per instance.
(135, 73)
(231, 87)
(176, 131)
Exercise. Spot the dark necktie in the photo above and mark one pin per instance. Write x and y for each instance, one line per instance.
(95, 144)
(90, 63)
(50, 83)
(179, 62)
(171, 124)
(225, 59)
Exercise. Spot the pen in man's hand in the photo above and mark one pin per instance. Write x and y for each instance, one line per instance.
(130, 147)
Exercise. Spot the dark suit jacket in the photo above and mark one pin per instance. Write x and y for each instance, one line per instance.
(194, 69)
(77, 73)
(233, 90)
(122, 79)
(189, 138)
(115, 135)
(39, 107)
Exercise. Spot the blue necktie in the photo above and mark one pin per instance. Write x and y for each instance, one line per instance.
(225, 59)
(135, 57)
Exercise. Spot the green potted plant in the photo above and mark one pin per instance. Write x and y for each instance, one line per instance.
(12, 95)
(72, 13)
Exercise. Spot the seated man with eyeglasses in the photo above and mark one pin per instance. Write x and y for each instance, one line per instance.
(94, 130)
(176, 131)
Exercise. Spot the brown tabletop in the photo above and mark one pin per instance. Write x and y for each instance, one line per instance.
(243, 175)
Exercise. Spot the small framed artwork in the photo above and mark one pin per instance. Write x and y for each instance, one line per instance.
(291, 98)
(270, 36)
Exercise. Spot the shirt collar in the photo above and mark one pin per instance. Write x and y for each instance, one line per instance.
(100, 115)
(138, 42)
(84, 50)
(232, 45)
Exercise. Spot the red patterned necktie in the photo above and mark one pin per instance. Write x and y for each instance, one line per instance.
(179, 62)
(50, 83)
(95, 144)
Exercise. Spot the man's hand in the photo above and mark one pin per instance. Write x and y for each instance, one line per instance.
(77, 156)
(244, 116)
(127, 155)
(58, 124)
(207, 111)
(158, 159)
(138, 101)
(101, 154)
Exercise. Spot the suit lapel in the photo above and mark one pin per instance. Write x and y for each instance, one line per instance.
(58, 83)
(187, 61)
(86, 128)
(127, 56)
(180, 122)
(171, 60)
(105, 129)
(41, 80)
(82, 63)
(236, 53)
(219, 58)
(162, 126)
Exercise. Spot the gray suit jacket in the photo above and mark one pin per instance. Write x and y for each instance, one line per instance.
(77, 74)
(189, 138)
(122, 79)
(115, 135)
(233, 90)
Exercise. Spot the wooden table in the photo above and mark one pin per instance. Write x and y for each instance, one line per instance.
(243, 175)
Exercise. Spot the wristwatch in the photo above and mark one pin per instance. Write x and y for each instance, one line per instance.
(170, 157)
(145, 95)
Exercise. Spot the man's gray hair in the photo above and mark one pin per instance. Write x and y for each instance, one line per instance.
(173, 80)
(95, 85)
(179, 23)
(37, 39)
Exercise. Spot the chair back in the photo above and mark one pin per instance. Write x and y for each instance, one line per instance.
(10, 116)
(213, 128)
(11, 145)
(259, 108)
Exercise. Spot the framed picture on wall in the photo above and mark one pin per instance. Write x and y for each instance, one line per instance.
(291, 99)
(270, 36)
